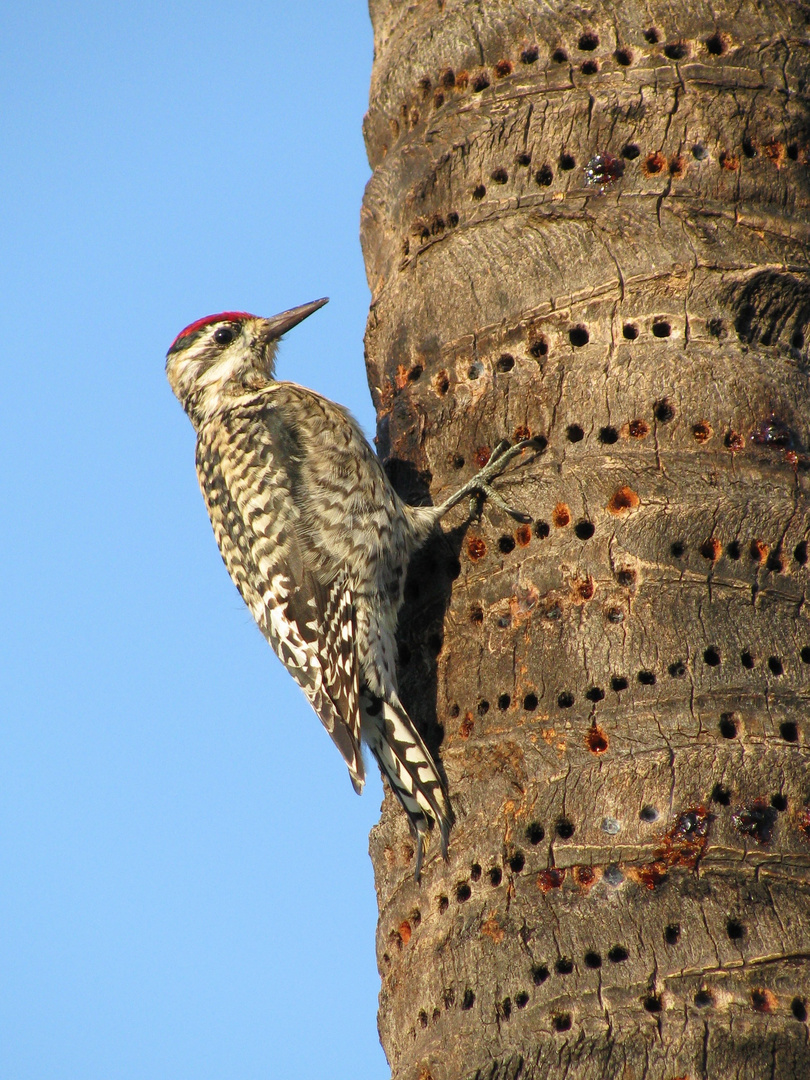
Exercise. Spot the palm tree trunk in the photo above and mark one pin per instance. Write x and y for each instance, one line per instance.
(590, 223)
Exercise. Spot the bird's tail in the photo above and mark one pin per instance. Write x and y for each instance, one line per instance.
(406, 762)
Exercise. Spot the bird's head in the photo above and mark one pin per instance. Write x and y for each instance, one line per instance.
(224, 354)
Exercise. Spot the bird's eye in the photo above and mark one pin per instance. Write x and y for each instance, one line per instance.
(224, 335)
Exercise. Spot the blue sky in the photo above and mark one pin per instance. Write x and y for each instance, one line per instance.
(185, 888)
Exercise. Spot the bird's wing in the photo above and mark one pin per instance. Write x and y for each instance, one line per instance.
(248, 464)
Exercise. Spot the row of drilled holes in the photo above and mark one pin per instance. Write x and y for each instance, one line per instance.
(449, 80)
(611, 170)
(604, 169)
(619, 683)
(762, 1000)
(759, 551)
(578, 336)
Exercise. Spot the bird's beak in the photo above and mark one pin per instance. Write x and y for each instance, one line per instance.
(280, 324)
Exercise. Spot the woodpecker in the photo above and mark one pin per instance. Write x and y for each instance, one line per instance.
(316, 541)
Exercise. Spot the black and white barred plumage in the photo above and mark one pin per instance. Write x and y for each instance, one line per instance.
(315, 539)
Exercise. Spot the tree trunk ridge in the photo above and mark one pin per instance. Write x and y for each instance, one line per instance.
(590, 223)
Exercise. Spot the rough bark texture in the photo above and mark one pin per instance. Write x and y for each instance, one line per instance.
(590, 222)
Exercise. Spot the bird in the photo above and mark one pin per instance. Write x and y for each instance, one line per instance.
(317, 541)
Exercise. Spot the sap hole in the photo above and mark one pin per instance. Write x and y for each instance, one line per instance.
(630, 151)
(624, 57)
(415, 374)
(565, 829)
(653, 164)
(775, 666)
(805, 654)
(711, 656)
(677, 670)
(539, 974)
(792, 151)
(646, 678)
(638, 429)
(567, 162)
(703, 999)
(524, 159)
(728, 726)
(529, 54)
(564, 966)
(799, 1009)
(478, 192)
(797, 340)
(593, 961)
(574, 433)
(506, 544)
(423, 1018)
(468, 1000)
(653, 1004)
(483, 707)
(530, 702)
(734, 550)
(565, 700)
(661, 329)
(720, 795)
(561, 1022)
(542, 529)
(559, 56)
(608, 436)
(505, 362)
(618, 954)
(442, 383)
(652, 36)
(475, 371)
(590, 67)
(664, 411)
(463, 892)
(596, 693)
(678, 549)
(504, 701)
(789, 731)
(614, 615)
(538, 347)
(455, 711)
(457, 462)
(630, 331)
(499, 176)
(517, 862)
(735, 929)
(588, 41)
(611, 826)
(578, 336)
(521, 999)
(672, 933)
(774, 562)
(479, 82)
(503, 68)
(535, 833)
(495, 875)
(779, 802)
(747, 660)
(618, 683)
(648, 813)
(699, 152)
(452, 219)
(443, 904)
(676, 50)
(749, 147)
(584, 530)
(716, 45)
(544, 176)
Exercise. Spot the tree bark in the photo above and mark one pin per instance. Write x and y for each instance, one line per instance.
(590, 223)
